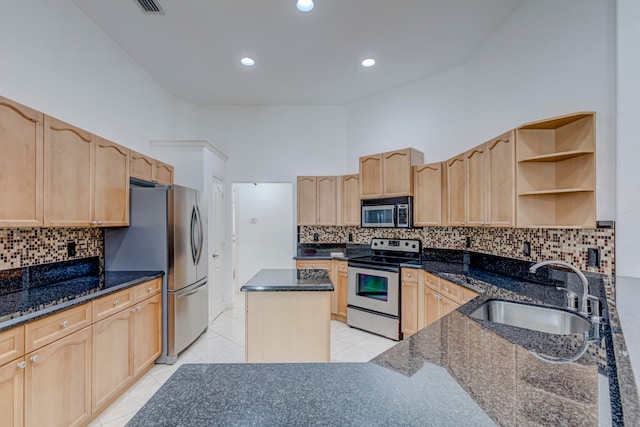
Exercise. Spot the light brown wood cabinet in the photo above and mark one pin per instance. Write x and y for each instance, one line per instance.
(427, 194)
(409, 301)
(317, 200)
(147, 333)
(501, 181)
(149, 169)
(21, 163)
(12, 392)
(351, 200)
(388, 174)
(341, 285)
(86, 178)
(456, 190)
(57, 387)
(476, 186)
(556, 172)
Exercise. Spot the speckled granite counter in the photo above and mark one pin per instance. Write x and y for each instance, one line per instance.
(287, 280)
(457, 371)
(31, 293)
(342, 251)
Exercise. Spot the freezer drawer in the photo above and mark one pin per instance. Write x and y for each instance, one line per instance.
(187, 316)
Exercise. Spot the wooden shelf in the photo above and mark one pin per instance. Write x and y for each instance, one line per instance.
(554, 157)
(556, 191)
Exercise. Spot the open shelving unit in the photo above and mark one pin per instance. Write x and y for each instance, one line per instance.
(556, 172)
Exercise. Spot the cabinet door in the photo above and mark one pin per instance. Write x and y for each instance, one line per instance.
(455, 191)
(427, 180)
(141, 167)
(57, 389)
(162, 173)
(11, 393)
(371, 176)
(342, 292)
(147, 333)
(501, 181)
(307, 200)
(351, 200)
(112, 358)
(396, 173)
(431, 308)
(21, 144)
(446, 306)
(68, 175)
(111, 183)
(326, 191)
(476, 185)
(409, 309)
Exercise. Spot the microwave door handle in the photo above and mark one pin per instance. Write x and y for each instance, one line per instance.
(395, 215)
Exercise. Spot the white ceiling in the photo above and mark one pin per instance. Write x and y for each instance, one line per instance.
(301, 58)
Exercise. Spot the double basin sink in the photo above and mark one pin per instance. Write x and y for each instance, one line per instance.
(534, 317)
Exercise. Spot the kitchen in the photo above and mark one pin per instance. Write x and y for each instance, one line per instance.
(127, 106)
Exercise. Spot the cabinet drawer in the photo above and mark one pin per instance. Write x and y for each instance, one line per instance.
(342, 266)
(451, 290)
(106, 306)
(409, 275)
(11, 344)
(432, 281)
(147, 289)
(52, 328)
(322, 264)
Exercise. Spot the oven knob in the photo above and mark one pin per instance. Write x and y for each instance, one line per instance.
(413, 246)
(406, 243)
(375, 243)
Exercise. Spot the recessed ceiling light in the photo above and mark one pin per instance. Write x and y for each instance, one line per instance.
(369, 62)
(304, 5)
(247, 61)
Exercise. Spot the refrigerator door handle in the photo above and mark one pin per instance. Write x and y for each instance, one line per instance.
(193, 291)
(199, 234)
(193, 234)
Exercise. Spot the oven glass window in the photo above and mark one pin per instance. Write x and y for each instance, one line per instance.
(378, 216)
(371, 286)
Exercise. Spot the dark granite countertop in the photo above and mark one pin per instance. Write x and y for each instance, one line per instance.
(322, 251)
(457, 371)
(36, 299)
(286, 280)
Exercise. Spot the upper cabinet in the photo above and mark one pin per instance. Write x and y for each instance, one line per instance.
(501, 181)
(556, 172)
(455, 190)
(68, 175)
(111, 195)
(351, 199)
(21, 163)
(149, 169)
(388, 174)
(317, 200)
(427, 194)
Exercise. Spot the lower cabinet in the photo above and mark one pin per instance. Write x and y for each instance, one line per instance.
(68, 376)
(409, 308)
(57, 386)
(338, 272)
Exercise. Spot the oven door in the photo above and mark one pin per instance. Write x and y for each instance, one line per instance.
(376, 290)
(379, 216)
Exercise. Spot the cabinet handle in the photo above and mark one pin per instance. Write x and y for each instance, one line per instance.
(447, 290)
(64, 324)
(462, 223)
(138, 308)
(116, 302)
(35, 358)
(133, 310)
(22, 364)
(149, 289)
(94, 222)
(155, 180)
(99, 222)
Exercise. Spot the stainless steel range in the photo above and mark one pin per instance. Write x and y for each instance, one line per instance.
(373, 298)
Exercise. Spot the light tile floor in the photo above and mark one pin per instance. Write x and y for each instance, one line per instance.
(224, 343)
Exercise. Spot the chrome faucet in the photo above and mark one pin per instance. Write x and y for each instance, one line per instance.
(585, 285)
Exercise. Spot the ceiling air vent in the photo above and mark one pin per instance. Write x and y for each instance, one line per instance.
(150, 7)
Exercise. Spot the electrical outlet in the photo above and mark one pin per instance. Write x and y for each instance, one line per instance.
(71, 249)
(351, 237)
(526, 249)
(593, 257)
(316, 237)
(468, 242)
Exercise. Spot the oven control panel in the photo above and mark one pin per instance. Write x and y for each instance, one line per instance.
(400, 245)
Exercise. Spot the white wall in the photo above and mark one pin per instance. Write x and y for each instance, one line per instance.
(56, 60)
(263, 227)
(628, 146)
(427, 114)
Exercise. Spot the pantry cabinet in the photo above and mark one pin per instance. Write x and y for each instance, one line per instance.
(427, 194)
(317, 200)
(388, 174)
(149, 169)
(21, 163)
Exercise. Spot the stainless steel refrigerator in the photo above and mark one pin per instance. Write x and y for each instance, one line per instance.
(167, 232)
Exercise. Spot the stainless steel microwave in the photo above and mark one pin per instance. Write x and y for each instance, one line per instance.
(394, 212)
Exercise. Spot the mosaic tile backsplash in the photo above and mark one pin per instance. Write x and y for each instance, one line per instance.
(24, 247)
(568, 244)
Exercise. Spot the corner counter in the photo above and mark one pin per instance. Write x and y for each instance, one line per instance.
(288, 316)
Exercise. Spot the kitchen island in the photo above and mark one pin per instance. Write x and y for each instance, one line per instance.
(288, 316)
(457, 371)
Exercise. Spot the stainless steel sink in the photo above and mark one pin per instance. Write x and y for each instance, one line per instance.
(534, 317)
